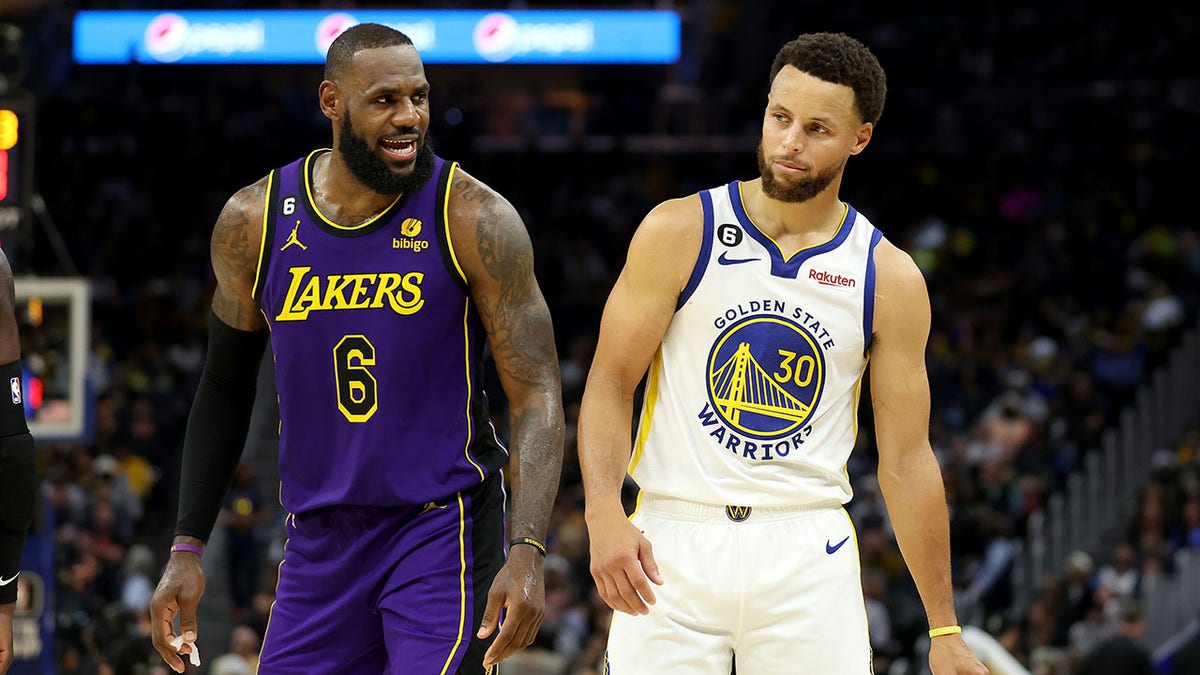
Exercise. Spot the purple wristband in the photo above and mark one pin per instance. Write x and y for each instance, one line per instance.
(190, 548)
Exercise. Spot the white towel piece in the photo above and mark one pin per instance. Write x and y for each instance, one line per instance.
(194, 657)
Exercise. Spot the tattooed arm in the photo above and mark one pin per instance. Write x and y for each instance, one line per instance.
(493, 247)
(235, 247)
(220, 415)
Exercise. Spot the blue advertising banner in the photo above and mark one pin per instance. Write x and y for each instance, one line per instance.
(442, 36)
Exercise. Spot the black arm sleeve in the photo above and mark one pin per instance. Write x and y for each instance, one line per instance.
(18, 482)
(217, 425)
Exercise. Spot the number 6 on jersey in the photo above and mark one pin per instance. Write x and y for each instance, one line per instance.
(356, 386)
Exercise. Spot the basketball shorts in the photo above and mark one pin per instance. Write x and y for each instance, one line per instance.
(777, 588)
(385, 591)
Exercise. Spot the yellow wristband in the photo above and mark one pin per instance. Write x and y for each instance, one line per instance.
(945, 630)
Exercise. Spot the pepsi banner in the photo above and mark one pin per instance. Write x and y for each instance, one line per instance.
(446, 36)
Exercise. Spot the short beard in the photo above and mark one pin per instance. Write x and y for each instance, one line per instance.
(372, 171)
(800, 191)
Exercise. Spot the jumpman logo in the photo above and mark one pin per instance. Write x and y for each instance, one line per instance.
(294, 239)
(429, 506)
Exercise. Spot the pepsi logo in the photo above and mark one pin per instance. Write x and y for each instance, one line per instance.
(330, 28)
(496, 36)
(166, 37)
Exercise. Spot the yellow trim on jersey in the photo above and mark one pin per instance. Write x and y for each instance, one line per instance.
(307, 178)
(262, 246)
(637, 505)
(857, 559)
(462, 585)
(446, 222)
(841, 224)
(470, 389)
(856, 395)
(278, 579)
(466, 315)
(648, 411)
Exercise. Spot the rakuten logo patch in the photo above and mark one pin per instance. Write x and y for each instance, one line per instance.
(827, 279)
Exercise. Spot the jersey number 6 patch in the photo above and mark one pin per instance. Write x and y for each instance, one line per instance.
(357, 390)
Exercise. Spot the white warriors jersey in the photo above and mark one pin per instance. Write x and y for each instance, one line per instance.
(752, 399)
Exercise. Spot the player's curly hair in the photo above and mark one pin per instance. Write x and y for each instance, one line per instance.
(840, 59)
(357, 38)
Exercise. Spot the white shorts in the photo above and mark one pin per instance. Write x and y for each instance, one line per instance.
(781, 590)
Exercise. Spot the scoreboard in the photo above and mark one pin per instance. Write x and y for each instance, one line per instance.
(16, 160)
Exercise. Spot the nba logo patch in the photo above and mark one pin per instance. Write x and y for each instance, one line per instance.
(15, 385)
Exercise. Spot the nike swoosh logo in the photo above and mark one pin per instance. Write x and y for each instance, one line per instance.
(5, 582)
(831, 549)
(733, 261)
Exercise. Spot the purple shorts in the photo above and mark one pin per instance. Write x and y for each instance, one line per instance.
(367, 590)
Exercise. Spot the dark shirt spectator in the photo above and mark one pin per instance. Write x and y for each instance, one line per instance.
(1122, 653)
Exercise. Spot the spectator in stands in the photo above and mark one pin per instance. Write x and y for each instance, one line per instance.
(138, 577)
(879, 621)
(1122, 653)
(1078, 590)
(1085, 634)
(1191, 523)
(242, 657)
(1118, 580)
(242, 517)
(564, 629)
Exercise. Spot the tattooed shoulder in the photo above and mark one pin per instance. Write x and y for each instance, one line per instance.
(236, 237)
(236, 240)
(490, 228)
(468, 189)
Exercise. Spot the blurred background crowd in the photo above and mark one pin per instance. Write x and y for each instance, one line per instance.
(1034, 158)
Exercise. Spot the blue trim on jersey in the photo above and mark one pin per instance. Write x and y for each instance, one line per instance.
(869, 292)
(787, 268)
(705, 251)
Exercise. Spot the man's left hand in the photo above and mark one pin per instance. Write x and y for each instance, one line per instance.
(949, 655)
(518, 589)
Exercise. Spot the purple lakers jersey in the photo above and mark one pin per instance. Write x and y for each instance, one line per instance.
(378, 350)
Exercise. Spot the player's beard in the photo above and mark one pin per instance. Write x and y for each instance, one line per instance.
(372, 171)
(801, 190)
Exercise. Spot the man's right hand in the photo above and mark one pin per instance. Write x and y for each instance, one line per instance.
(622, 563)
(178, 592)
